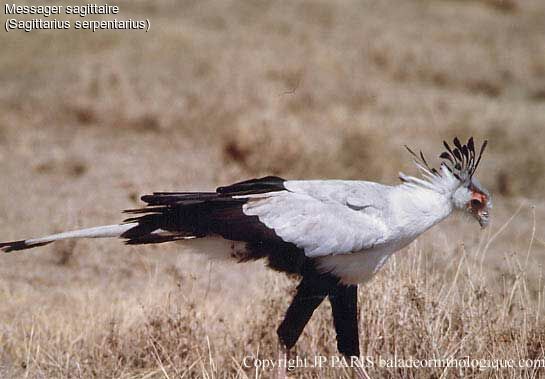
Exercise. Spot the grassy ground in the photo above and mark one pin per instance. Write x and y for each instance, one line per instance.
(222, 91)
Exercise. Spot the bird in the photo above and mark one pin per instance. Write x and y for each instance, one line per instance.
(334, 235)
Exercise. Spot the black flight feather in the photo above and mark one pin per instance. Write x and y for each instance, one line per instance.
(254, 186)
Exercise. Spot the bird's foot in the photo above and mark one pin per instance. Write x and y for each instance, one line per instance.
(283, 356)
(360, 373)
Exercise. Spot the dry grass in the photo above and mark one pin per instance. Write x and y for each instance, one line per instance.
(219, 91)
(423, 305)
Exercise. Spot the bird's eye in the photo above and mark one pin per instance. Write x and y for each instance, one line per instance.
(476, 203)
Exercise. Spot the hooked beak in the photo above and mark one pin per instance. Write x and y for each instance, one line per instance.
(483, 217)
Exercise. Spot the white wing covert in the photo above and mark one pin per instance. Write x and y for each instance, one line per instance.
(339, 217)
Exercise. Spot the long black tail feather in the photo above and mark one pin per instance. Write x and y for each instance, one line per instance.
(8, 247)
(171, 216)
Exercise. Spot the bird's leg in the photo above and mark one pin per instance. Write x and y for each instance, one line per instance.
(306, 300)
(309, 295)
(344, 305)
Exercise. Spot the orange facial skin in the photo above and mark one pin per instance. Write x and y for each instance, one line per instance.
(478, 206)
(480, 197)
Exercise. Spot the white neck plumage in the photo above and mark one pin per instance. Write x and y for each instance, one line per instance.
(419, 204)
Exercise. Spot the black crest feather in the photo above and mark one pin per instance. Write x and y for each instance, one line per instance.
(461, 159)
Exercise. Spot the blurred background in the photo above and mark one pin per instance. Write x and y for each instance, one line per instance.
(221, 91)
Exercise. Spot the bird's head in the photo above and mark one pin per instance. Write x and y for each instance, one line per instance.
(475, 200)
(461, 162)
(456, 178)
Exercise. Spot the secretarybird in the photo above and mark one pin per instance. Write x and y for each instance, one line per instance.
(335, 234)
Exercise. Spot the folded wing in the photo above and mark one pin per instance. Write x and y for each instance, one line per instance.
(337, 217)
